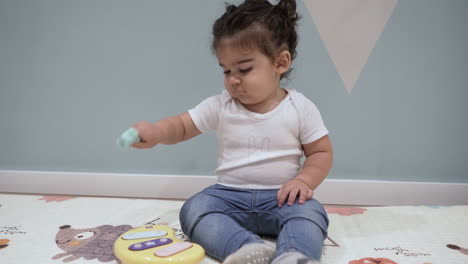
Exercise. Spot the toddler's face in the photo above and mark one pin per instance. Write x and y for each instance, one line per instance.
(249, 76)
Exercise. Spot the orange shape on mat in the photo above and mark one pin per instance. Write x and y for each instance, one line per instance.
(50, 198)
(4, 243)
(345, 211)
(372, 261)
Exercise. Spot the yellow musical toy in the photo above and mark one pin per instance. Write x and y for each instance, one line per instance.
(156, 244)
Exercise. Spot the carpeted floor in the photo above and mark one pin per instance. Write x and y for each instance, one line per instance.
(30, 226)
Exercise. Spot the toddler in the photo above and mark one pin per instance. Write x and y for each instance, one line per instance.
(262, 131)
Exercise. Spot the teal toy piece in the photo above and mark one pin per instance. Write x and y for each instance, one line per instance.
(128, 138)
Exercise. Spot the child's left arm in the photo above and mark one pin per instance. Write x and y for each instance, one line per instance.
(319, 156)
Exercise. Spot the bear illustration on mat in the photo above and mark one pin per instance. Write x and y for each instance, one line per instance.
(90, 243)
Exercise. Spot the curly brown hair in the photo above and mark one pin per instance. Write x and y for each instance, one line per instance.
(258, 23)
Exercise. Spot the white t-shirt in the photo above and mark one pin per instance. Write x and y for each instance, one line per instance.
(259, 151)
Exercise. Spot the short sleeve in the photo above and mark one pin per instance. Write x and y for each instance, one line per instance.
(206, 114)
(311, 123)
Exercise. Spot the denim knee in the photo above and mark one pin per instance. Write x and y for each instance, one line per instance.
(194, 209)
(311, 210)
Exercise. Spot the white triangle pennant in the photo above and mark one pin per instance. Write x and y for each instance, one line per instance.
(349, 30)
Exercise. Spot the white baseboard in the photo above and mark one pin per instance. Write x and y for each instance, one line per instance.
(332, 191)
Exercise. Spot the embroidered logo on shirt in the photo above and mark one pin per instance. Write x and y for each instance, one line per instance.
(258, 146)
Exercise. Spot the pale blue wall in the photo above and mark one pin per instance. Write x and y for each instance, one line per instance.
(75, 74)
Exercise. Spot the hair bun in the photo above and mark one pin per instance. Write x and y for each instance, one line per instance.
(288, 8)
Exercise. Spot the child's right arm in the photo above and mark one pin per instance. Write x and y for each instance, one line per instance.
(168, 131)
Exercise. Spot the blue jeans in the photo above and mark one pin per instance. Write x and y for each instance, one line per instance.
(222, 219)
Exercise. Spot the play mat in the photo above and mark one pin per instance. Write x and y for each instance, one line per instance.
(58, 229)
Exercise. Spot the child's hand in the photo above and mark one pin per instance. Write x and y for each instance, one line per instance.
(290, 190)
(148, 133)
